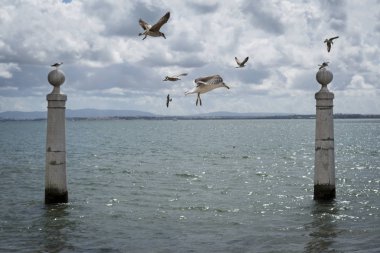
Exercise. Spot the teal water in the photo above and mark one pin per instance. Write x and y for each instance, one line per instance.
(190, 186)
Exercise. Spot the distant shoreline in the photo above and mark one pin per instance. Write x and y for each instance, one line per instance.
(194, 117)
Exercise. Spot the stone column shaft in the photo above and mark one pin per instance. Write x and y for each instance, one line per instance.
(324, 169)
(55, 166)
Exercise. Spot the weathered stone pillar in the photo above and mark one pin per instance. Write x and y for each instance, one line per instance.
(324, 170)
(55, 169)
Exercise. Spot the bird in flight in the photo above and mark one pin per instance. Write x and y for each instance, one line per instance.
(206, 84)
(174, 78)
(323, 65)
(329, 42)
(168, 100)
(57, 64)
(241, 64)
(154, 30)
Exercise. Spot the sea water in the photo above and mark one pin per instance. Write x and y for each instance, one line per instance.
(190, 186)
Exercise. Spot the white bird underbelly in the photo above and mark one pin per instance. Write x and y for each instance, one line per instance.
(152, 34)
(201, 90)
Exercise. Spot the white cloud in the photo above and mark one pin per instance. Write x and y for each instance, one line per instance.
(107, 65)
(7, 68)
(358, 82)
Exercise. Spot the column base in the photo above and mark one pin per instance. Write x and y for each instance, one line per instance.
(324, 192)
(55, 197)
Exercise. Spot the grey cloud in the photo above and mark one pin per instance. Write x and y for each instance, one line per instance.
(336, 14)
(39, 37)
(262, 18)
(79, 79)
(129, 25)
(93, 33)
(123, 22)
(125, 76)
(25, 80)
(377, 26)
(185, 61)
(183, 42)
(306, 81)
(203, 8)
(253, 75)
(340, 82)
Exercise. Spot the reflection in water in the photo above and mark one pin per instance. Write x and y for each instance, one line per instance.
(56, 226)
(323, 228)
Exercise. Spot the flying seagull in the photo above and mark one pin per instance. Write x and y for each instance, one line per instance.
(241, 64)
(154, 30)
(206, 84)
(57, 64)
(168, 99)
(324, 65)
(174, 78)
(329, 42)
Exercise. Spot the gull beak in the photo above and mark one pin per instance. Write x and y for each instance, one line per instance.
(226, 86)
(163, 35)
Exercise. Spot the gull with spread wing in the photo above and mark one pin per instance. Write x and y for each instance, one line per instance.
(206, 84)
(154, 30)
(241, 64)
(329, 42)
(174, 78)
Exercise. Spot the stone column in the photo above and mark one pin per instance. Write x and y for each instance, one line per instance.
(324, 170)
(55, 169)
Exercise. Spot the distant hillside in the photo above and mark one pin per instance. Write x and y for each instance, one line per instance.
(94, 113)
(82, 113)
(242, 115)
(105, 114)
(13, 115)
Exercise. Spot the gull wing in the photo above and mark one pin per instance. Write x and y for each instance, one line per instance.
(207, 80)
(183, 74)
(156, 27)
(245, 60)
(200, 84)
(203, 80)
(237, 61)
(333, 38)
(215, 80)
(144, 24)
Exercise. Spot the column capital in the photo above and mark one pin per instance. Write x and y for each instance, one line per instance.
(56, 97)
(324, 94)
(56, 78)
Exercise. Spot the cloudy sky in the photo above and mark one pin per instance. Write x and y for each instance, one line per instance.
(108, 66)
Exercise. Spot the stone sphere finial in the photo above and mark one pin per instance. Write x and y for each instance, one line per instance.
(56, 78)
(324, 77)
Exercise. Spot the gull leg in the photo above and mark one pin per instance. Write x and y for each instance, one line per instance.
(196, 102)
(199, 98)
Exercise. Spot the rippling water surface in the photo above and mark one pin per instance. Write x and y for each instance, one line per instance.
(190, 186)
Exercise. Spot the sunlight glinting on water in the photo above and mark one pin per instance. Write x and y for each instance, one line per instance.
(235, 185)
